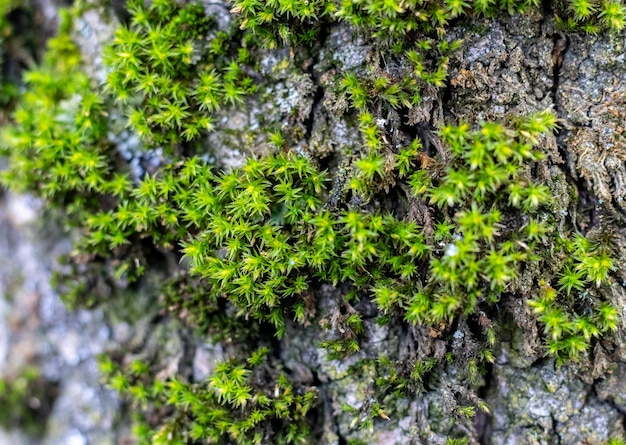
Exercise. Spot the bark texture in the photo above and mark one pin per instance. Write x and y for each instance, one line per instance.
(506, 67)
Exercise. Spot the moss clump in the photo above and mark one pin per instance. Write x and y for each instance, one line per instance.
(57, 146)
(299, 22)
(173, 69)
(260, 236)
(26, 401)
(281, 23)
(570, 320)
(245, 404)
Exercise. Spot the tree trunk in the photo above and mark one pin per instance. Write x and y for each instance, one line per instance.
(506, 67)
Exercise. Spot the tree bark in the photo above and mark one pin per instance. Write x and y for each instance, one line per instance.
(506, 67)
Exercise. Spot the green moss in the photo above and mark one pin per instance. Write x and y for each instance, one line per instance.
(379, 92)
(568, 325)
(26, 401)
(250, 403)
(56, 146)
(299, 22)
(462, 441)
(430, 242)
(173, 69)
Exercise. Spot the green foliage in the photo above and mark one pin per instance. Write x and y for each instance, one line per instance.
(393, 20)
(571, 320)
(257, 217)
(462, 441)
(258, 240)
(259, 236)
(57, 146)
(591, 17)
(173, 70)
(300, 23)
(480, 256)
(244, 404)
(281, 22)
(26, 401)
(380, 89)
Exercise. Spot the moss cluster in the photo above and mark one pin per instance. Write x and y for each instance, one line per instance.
(245, 404)
(298, 22)
(26, 401)
(170, 79)
(569, 322)
(57, 145)
(429, 240)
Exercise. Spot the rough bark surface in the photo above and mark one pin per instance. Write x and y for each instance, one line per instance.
(505, 68)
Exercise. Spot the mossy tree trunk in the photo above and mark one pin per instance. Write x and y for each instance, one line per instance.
(506, 67)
